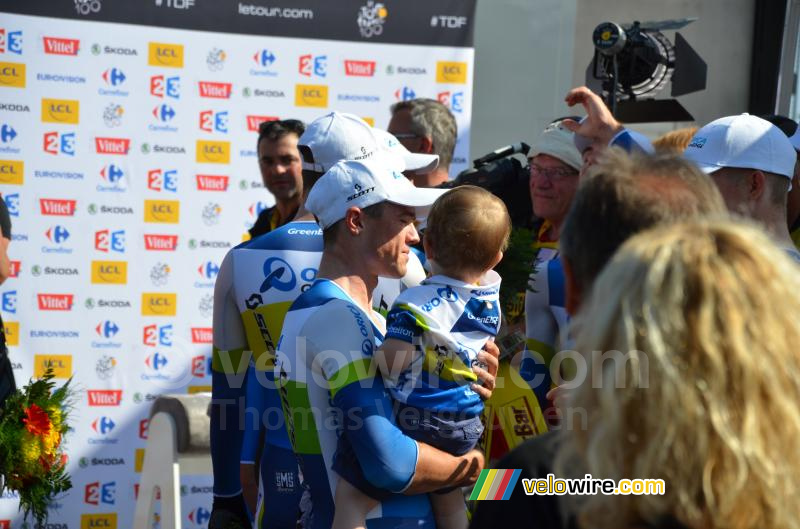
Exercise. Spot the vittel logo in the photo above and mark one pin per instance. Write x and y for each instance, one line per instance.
(59, 46)
(57, 207)
(117, 146)
(101, 397)
(212, 183)
(359, 68)
(202, 335)
(61, 302)
(215, 90)
(162, 243)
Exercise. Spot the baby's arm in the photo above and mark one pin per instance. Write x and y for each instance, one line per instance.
(404, 325)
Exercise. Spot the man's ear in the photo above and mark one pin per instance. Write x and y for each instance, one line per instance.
(354, 220)
(573, 292)
(426, 245)
(426, 145)
(756, 182)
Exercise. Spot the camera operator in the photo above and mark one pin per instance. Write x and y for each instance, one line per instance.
(425, 126)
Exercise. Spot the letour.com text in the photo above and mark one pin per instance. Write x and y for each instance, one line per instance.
(588, 485)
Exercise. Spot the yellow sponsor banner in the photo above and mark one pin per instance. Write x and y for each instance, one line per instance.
(159, 304)
(110, 272)
(61, 111)
(311, 95)
(12, 332)
(191, 390)
(99, 521)
(138, 460)
(451, 72)
(162, 211)
(12, 74)
(168, 55)
(213, 151)
(61, 364)
(12, 172)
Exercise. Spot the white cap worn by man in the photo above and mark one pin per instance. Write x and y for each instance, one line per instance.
(752, 162)
(340, 136)
(362, 184)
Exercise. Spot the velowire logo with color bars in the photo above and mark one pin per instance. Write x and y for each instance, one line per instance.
(495, 484)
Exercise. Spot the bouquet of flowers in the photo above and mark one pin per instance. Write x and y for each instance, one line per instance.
(33, 422)
(515, 269)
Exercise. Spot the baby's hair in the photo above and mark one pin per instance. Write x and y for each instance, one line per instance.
(467, 227)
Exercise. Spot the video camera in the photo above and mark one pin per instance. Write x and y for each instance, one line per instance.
(504, 176)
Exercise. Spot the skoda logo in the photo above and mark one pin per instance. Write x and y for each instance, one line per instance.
(36, 270)
(145, 148)
(279, 275)
(96, 49)
(192, 244)
(92, 209)
(83, 462)
(243, 185)
(246, 92)
(137, 398)
(89, 303)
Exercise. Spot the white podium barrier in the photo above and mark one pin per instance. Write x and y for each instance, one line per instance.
(177, 443)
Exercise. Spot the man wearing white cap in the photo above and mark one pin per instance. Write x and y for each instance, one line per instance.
(554, 164)
(792, 131)
(752, 162)
(367, 213)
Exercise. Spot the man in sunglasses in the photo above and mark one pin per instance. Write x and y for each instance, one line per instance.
(425, 126)
(281, 171)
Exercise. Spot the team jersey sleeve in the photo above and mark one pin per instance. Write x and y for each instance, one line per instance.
(405, 322)
(340, 347)
(228, 370)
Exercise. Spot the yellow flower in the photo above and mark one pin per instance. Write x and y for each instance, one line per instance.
(55, 416)
(30, 450)
(51, 441)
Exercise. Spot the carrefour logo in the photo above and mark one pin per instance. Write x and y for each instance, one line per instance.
(405, 93)
(311, 95)
(107, 329)
(112, 173)
(164, 113)
(7, 133)
(114, 77)
(103, 425)
(208, 270)
(57, 234)
(156, 361)
(61, 111)
(167, 55)
(200, 516)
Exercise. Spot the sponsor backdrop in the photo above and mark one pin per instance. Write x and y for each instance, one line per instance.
(128, 164)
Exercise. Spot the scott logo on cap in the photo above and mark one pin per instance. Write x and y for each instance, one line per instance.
(364, 154)
(359, 192)
(698, 143)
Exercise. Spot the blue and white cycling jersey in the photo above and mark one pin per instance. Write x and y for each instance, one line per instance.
(330, 387)
(448, 321)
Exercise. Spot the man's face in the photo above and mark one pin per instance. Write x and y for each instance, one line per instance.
(400, 127)
(552, 186)
(389, 238)
(281, 167)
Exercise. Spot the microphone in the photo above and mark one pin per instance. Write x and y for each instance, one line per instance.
(502, 152)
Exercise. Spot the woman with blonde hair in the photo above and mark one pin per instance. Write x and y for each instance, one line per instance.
(707, 399)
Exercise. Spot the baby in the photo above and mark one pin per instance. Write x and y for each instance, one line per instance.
(433, 335)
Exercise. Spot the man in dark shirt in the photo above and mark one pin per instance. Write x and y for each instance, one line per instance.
(281, 171)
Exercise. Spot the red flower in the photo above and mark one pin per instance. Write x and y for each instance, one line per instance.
(36, 420)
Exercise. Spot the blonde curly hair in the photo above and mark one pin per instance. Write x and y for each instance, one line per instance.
(710, 311)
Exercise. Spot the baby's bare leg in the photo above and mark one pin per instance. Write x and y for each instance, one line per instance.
(351, 507)
(449, 510)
